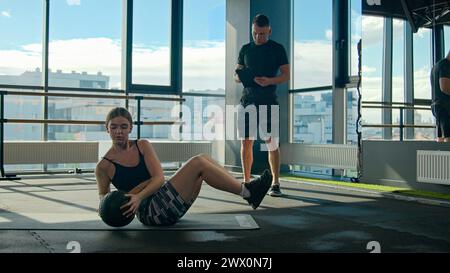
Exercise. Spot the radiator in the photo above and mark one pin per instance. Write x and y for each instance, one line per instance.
(433, 167)
(329, 156)
(50, 152)
(170, 151)
(58, 152)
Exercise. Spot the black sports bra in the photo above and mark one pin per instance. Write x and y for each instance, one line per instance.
(127, 178)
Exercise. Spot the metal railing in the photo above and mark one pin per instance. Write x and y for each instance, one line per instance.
(138, 122)
(395, 105)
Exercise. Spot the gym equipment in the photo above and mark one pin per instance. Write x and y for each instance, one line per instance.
(110, 211)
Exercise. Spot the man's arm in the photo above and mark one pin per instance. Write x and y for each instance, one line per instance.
(284, 76)
(236, 77)
(444, 83)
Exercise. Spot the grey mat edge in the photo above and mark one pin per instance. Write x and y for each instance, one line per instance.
(250, 225)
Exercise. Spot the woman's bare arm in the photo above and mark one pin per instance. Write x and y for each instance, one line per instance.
(153, 164)
(103, 181)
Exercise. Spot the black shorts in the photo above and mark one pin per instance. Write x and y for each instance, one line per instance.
(264, 126)
(442, 114)
(164, 207)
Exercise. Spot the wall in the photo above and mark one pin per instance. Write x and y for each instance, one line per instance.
(394, 163)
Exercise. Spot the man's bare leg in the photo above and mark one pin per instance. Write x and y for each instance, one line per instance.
(247, 158)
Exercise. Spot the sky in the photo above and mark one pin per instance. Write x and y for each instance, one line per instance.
(84, 39)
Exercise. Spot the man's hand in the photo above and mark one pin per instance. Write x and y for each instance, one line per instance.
(236, 78)
(263, 81)
(133, 204)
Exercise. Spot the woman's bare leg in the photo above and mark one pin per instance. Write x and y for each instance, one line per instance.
(196, 190)
(187, 180)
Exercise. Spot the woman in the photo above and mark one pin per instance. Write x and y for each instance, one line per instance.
(134, 167)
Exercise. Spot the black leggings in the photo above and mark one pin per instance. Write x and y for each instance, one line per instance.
(442, 114)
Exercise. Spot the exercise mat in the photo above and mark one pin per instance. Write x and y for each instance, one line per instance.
(91, 221)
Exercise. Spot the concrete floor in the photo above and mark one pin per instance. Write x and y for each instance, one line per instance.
(309, 218)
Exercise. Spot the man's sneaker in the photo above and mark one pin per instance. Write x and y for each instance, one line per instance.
(275, 191)
(258, 188)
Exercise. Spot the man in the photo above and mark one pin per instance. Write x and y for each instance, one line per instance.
(265, 59)
(440, 85)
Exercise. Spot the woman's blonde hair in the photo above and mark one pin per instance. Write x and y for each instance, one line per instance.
(118, 112)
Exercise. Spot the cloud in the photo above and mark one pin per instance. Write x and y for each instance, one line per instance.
(372, 30)
(421, 32)
(367, 69)
(373, 27)
(203, 64)
(313, 63)
(73, 2)
(5, 13)
(356, 23)
(422, 85)
(329, 34)
(13, 61)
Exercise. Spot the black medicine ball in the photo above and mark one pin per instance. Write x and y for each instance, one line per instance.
(110, 211)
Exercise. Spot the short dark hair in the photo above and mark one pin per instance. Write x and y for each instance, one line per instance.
(261, 20)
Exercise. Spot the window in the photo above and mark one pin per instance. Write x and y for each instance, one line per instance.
(372, 52)
(424, 117)
(23, 107)
(204, 117)
(447, 38)
(204, 46)
(313, 117)
(352, 115)
(21, 42)
(152, 110)
(372, 63)
(85, 44)
(355, 15)
(398, 71)
(398, 61)
(63, 108)
(422, 86)
(312, 26)
(204, 69)
(422, 64)
(151, 61)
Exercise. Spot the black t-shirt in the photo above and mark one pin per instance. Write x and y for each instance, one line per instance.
(440, 70)
(265, 61)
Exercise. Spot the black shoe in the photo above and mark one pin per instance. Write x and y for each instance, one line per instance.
(275, 191)
(258, 188)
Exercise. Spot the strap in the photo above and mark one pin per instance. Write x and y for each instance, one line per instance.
(109, 160)
(137, 146)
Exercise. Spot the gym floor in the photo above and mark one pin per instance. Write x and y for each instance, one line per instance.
(309, 218)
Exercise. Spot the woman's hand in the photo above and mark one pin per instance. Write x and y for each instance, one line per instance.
(133, 204)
